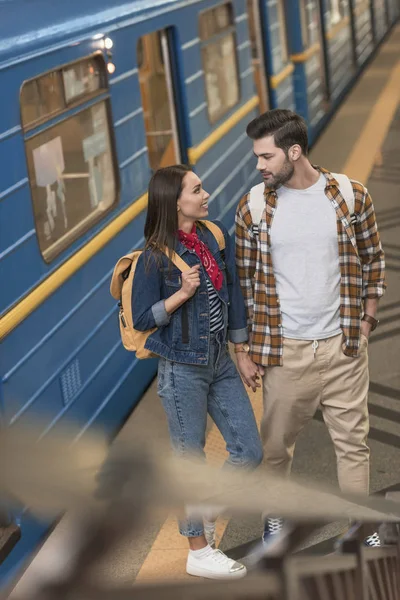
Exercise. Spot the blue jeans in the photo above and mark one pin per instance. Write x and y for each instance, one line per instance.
(188, 392)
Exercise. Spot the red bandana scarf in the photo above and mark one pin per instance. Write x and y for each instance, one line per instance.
(192, 241)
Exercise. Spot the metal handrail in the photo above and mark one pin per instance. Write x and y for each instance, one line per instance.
(359, 573)
(112, 494)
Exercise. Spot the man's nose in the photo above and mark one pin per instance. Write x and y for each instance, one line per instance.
(260, 164)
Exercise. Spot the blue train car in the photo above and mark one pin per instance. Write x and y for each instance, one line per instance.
(330, 42)
(95, 97)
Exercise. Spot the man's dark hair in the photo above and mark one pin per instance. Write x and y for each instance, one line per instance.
(286, 127)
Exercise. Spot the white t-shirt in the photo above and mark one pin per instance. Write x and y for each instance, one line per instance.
(305, 258)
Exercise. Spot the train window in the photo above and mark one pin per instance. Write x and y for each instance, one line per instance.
(218, 48)
(82, 79)
(337, 10)
(71, 176)
(50, 94)
(215, 20)
(70, 164)
(309, 22)
(282, 31)
(257, 52)
(41, 98)
(156, 89)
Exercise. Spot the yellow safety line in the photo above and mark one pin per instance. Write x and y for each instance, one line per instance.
(361, 160)
(24, 308)
(167, 556)
(198, 151)
(306, 55)
(276, 80)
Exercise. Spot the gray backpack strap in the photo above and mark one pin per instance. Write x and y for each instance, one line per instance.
(347, 191)
(256, 205)
(257, 200)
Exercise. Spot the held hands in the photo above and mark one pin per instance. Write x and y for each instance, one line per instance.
(190, 281)
(249, 371)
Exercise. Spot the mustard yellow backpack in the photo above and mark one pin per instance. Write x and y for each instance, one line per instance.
(121, 289)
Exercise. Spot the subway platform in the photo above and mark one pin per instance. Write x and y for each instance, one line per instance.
(363, 141)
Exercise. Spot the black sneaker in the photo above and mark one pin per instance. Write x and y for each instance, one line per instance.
(272, 526)
(373, 541)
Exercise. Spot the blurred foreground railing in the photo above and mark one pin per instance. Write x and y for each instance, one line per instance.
(363, 574)
(113, 494)
(367, 574)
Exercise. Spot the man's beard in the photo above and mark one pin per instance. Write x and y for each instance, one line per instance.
(284, 174)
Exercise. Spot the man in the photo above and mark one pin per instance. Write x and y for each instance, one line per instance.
(311, 274)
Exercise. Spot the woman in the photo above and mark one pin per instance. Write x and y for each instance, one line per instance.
(193, 312)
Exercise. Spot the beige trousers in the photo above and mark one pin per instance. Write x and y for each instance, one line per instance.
(325, 378)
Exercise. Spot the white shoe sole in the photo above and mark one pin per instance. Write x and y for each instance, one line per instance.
(199, 572)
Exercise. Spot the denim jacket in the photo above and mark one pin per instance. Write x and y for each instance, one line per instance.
(184, 336)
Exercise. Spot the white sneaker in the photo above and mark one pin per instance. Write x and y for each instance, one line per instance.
(272, 526)
(373, 541)
(214, 565)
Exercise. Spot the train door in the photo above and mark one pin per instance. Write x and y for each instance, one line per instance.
(257, 53)
(313, 42)
(339, 46)
(379, 12)
(157, 91)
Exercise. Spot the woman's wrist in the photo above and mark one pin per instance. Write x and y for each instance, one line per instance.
(175, 301)
(182, 295)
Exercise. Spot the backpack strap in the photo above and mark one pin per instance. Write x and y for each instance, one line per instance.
(217, 233)
(257, 201)
(256, 205)
(347, 191)
(178, 262)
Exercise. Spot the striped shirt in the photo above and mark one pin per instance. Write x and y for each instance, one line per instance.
(362, 269)
(216, 315)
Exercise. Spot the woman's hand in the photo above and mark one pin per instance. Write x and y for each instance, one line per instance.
(250, 372)
(190, 281)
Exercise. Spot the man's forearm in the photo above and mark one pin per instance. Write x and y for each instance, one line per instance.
(371, 306)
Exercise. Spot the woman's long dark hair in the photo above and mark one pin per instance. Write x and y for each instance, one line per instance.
(161, 226)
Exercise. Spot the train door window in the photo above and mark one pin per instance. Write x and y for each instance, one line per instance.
(41, 97)
(337, 10)
(257, 52)
(282, 31)
(312, 36)
(310, 23)
(157, 93)
(218, 50)
(70, 163)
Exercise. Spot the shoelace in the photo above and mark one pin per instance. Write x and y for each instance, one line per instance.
(220, 557)
(373, 540)
(275, 525)
(212, 536)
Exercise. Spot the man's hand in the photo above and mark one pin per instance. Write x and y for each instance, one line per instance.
(249, 371)
(366, 328)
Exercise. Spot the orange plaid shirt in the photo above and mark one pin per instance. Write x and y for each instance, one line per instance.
(362, 269)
